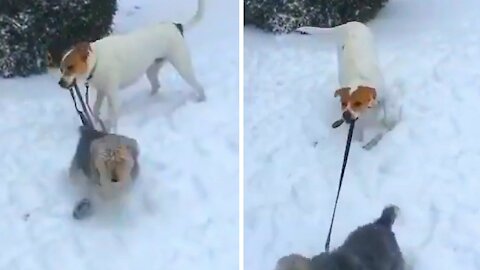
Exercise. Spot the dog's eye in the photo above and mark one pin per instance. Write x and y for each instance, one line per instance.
(69, 68)
(344, 104)
(357, 103)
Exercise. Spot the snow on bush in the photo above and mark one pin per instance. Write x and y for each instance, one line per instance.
(31, 29)
(282, 16)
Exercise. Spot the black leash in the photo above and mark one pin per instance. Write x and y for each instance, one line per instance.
(345, 159)
(87, 87)
(86, 120)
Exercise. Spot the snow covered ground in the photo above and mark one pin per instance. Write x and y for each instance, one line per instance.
(428, 166)
(189, 158)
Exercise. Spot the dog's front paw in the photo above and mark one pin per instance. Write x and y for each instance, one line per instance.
(373, 142)
(358, 134)
(83, 209)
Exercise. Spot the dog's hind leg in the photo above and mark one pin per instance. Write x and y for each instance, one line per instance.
(97, 105)
(152, 75)
(358, 132)
(181, 60)
(373, 142)
(113, 111)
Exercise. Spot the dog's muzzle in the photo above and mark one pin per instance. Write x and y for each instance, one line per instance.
(114, 178)
(64, 84)
(348, 117)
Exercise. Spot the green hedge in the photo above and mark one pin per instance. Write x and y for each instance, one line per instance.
(30, 30)
(283, 16)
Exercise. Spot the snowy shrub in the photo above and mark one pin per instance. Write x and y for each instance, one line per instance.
(21, 48)
(282, 16)
(32, 30)
(80, 20)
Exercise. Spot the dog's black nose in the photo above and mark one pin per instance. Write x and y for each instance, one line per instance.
(347, 116)
(62, 83)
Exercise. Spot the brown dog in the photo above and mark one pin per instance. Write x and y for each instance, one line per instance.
(109, 162)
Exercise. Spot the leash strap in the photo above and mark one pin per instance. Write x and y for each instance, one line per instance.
(80, 113)
(86, 120)
(345, 159)
(87, 87)
(84, 107)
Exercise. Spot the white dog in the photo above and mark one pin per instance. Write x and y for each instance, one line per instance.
(362, 92)
(117, 61)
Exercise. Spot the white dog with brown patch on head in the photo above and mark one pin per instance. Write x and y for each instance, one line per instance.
(117, 61)
(363, 94)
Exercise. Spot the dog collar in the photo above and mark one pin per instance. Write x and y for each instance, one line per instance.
(90, 76)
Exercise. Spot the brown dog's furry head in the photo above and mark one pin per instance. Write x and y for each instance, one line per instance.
(115, 159)
(356, 102)
(74, 64)
(117, 163)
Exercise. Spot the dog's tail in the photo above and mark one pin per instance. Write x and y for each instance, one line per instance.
(197, 17)
(312, 30)
(338, 32)
(389, 214)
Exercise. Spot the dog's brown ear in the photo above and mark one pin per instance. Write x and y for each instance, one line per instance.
(49, 59)
(370, 92)
(374, 93)
(341, 92)
(373, 102)
(83, 49)
(132, 146)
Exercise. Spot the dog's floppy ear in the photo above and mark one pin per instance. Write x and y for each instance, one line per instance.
(96, 147)
(373, 102)
(341, 92)
(132, 146)
(371, 92)
(83, 49)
